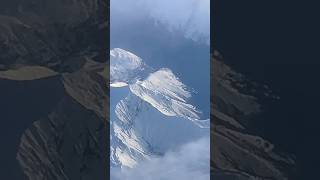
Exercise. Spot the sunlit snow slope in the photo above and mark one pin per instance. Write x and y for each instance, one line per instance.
(152, 115)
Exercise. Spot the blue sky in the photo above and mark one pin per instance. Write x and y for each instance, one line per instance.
(161, 41)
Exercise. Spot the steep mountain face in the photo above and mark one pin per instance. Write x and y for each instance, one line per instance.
(58, 47)
(237, 154)
(125, 67)
(70, 142)
(152, 116)
(53, 34)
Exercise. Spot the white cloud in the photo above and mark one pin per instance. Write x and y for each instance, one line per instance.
(190, 17)
(189, 162)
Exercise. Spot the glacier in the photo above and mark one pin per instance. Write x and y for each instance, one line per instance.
(150, 113)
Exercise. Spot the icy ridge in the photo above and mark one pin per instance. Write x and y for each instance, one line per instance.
(157, 100)
(161, 89)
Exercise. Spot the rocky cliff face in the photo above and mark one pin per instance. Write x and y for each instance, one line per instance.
(64, 43)
(53, 34)
(70, 142)
(236, 153)
(70, 44)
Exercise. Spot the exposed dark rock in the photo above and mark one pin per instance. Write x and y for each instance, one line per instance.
(237, 154)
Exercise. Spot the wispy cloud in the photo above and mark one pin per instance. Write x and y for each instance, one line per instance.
(189, 162)
(190, 17)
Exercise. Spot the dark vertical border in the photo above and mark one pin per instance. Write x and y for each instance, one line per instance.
(108, 87)
(212, 88)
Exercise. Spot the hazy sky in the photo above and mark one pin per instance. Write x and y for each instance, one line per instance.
(190, 17)
(167, 34)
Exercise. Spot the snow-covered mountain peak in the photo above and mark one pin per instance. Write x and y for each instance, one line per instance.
(157, 100)
(125, 58)
(161, 89)
(125, 67)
